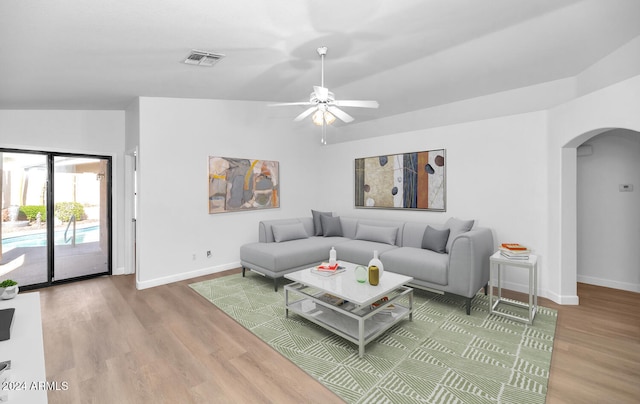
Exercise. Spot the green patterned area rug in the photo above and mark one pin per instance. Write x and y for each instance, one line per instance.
(442, 356)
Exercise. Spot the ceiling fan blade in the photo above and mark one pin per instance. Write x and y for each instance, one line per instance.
(305, 114)
(285, 104)
(343, 116)
(322, 93)
(356, 103)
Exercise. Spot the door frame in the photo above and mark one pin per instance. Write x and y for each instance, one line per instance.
(130, 209)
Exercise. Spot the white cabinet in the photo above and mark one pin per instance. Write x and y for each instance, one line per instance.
(28, 381)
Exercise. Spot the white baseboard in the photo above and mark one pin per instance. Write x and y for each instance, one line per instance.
(607, 283)
(554, 297)
(118, 271)
(185, 275)
(562, 299)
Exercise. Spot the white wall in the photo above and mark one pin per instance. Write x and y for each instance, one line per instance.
(496, 171)
(176, 138)
(89, 132)
(570, 125)
(509, 173)
(609, 220)
(486, 138)
(132, 125)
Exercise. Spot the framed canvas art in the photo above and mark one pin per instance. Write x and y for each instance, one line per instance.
(402, 181)
(237, 184)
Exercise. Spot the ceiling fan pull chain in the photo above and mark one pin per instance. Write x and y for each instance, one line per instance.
(324, 134)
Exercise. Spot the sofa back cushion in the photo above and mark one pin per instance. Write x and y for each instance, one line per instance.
(317, 223)
(380, 234)
(457, 227)
(350, 227)
(286, 232)
(331, 226)
(265, 228)
(435, 240)
(413, 233)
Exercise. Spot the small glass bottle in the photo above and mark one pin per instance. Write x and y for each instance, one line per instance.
(361, 274)
(332, 256)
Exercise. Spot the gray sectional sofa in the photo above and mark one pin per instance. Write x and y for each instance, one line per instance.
(453, 258)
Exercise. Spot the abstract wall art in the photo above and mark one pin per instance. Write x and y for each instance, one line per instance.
(402, 181)
(242, 184)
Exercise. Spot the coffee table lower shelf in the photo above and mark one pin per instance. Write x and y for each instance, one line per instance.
(358, 324)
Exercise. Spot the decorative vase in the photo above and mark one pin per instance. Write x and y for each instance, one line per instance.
(9, 292)
(374, 275)
(332, 256)
(361, 274)
(375, 261)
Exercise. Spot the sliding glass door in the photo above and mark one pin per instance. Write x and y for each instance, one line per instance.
(24, 251)
(81, 213)
(56, 223)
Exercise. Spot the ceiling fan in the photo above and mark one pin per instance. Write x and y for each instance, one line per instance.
(323, 106)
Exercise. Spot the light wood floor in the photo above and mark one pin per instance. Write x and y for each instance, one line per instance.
(114, 344)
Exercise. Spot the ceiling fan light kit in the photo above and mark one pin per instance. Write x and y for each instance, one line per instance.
(322, 116)
(323, 106)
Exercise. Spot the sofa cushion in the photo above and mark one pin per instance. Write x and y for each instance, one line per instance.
(413, 233)
(278, 257)
(457, 227)
(378, 234)
(360, 251)
(286, 232)
(435, 240)
(317, 224)
(331, 226)
(421, 264)
(349, 225)
(265, 228)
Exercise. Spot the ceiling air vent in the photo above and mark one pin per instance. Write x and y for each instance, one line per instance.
(202, 58)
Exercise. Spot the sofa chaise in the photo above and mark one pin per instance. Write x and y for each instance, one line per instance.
(451, 259)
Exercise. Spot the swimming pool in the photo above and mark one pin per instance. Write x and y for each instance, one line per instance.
(83, 235)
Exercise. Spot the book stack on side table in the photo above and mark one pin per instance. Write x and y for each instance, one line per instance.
(326, 269)
(514, 251)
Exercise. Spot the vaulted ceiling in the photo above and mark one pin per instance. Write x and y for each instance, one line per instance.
(408, 55)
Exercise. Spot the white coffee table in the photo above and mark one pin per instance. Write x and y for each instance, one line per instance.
(353, 319)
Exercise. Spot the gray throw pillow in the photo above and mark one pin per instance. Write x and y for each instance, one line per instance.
(331, 226)
(457, 227)
(317, 224)
(286, 232)
(435, 240)
(379, 234)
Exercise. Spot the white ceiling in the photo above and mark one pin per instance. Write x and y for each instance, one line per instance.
(407, 54)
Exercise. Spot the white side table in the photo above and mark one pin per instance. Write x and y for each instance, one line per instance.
(497, 261)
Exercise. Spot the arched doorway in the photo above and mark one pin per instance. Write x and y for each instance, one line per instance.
(608, 170)
(568, 205)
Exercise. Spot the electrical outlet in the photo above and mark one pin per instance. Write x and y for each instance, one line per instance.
(194, 257)
(208, 253)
